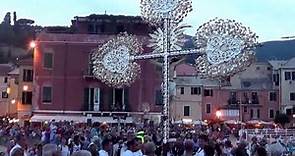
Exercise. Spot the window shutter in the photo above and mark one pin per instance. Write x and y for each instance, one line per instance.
(91, 102)
(110, 97)
(86, 98)
(101, 100)
(126, 99)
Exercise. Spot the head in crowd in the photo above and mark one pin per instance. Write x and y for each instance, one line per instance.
(82, 153)
(106, 145)
(21, 140)
(149, 149)
(132, 145)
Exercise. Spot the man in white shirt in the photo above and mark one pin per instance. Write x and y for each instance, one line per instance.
(132, 146)
(106, 147)
(20, 145)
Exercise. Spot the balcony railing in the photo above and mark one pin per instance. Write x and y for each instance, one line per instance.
(87, 74)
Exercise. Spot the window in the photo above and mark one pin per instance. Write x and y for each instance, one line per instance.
(293, 75)
(5, 79)
(195, 90)
(27, 98)
(233, 98)
(257, 68)
(100, 28)
(258, 113)
(271, 113)
(289, 111)
(27, 75)
(181, 90)
(276, 79)
(287, 76)
(92, 99)
(292, 96)
(268, 68)
(254, 97)
(48, 60)
(4, 95)
(47, 95)
(186, 111)
(245, 109)
(159, 97)
(208, 92)
(251, 113)
(208, 108)
(91, 28)
(272, 96)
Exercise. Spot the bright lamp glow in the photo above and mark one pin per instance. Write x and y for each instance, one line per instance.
(32, 44)
(218, 114)
(25, 88)
(187, 120)
(13, 101)
(8, 90)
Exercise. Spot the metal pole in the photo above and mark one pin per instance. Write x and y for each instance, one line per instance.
(165, 88)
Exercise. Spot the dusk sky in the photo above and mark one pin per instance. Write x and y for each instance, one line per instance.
(270, 19)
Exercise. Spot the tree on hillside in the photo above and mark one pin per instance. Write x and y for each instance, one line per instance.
(7, 19)
(282, 119)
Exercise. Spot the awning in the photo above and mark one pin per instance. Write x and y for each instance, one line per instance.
(43, 118)
(80, 119)
(110, 120)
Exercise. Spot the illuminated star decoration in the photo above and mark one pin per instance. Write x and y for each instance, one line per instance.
(113, 64)
(154, 11)
(176, 38)
(228, 47)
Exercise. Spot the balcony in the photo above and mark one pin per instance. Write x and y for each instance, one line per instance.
(87, 74)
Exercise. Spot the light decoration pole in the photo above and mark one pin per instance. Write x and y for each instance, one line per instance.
(225, 47)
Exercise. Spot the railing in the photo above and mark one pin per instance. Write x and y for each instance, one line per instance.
(92, 112)
(87, 74)
(271, 132)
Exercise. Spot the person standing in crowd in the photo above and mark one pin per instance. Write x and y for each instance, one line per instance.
(93, 149)
(202, 142)
(260, 151)
(138, 151)
(253, 146)
(188, 148)
(132, 146)
(149, 149)
(227, 150)
(20, 145)
(76, 144)
(106, 148)
(241, 150)
(65, 151)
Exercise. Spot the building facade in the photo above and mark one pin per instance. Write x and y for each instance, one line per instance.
(6, 93)
(64, 83)
(284, 80)
(249, 95)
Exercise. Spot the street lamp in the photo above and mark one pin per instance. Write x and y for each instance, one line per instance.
(32, 44)
(8, 90)
(218, 114)
(13, 101)
(25, 88)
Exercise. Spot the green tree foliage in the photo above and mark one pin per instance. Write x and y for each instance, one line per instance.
(19, 34)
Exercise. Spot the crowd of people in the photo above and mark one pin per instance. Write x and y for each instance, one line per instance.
(70, 139)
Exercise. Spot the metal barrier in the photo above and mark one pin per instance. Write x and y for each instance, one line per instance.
(271, 132)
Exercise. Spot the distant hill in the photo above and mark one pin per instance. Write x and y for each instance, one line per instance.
(271, 50)
(276, 50)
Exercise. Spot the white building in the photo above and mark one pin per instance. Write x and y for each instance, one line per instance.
(284, 79)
